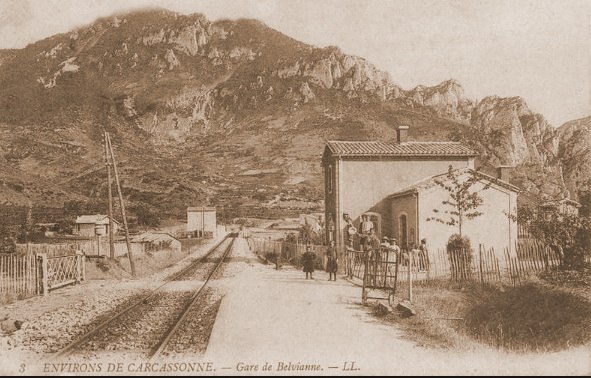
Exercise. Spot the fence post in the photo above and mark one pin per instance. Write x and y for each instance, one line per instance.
(480, 261)
(44, 274)
(363, 289)
(410, 260)
(80, 266)
(36, 262)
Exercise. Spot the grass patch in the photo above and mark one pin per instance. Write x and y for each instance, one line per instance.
(533, 317)
(440, 310)
(569, 278)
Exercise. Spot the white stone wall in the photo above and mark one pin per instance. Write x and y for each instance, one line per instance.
(365, 185)
(493, 229)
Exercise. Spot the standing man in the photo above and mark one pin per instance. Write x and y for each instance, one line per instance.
(375, 256)
(350, 230)
(366, 228)
(423, 255)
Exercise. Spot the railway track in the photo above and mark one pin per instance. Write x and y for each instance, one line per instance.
(149, 325)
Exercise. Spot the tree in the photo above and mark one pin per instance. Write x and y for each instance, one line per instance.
(463, 202)
(146, 216)
(566, 232)
(7, 240)
(310, 234)
(292, 237)
(459, 253)
(461, 206)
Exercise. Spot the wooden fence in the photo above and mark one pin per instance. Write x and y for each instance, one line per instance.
(27, 275)
(484, 265)
(88, 247)
(290, 252)
(19, 275)
(60, 249)
(59, 271)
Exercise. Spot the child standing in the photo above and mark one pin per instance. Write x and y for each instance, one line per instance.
(308, 259)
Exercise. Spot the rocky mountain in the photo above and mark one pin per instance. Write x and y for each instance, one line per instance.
(508, 133)
(227, 113)
(575, 154)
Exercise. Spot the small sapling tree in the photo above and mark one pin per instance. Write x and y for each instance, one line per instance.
(461, 206)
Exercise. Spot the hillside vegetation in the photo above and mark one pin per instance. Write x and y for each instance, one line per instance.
(229, 113)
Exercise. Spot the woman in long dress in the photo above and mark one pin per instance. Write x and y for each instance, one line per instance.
(308, 259)
(332, 262)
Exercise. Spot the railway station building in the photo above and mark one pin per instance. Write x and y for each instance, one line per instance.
(368, 177)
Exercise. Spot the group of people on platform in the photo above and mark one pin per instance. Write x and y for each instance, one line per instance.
(370, 243)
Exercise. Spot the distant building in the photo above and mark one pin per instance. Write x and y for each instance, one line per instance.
(201, 220)
(361, 175)
(564, 206)
(411, 206)
(85, 225)
(157, 241)
(314, 220)
(286, 224)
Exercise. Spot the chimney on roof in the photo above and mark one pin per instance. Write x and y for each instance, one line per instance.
(402, 134)
(504, 172)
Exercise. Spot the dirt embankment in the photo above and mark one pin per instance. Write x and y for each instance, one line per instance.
(146, 263)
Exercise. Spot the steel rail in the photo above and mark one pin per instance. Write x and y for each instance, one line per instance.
(84, 338)
(159, 348)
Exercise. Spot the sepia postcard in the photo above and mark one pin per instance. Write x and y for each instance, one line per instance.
(274, 187)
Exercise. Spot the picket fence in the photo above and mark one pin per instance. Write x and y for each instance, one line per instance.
(486, 266)
(19, 275)
(26, 275)
(87, 247)
(290, 252)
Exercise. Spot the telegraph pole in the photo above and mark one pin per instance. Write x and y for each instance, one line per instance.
(108, 164)
(129, 252)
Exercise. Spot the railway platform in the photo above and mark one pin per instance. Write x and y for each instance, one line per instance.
(279, 320)
(279, 317)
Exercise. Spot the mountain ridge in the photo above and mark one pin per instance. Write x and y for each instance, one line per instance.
(206, 104)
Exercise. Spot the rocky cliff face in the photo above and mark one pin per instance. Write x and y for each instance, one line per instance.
(446, 98)
(514, 134)
(203, 102)
(575, 154)
(507, 133)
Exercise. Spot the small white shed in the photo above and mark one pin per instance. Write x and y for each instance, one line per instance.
(201, 221)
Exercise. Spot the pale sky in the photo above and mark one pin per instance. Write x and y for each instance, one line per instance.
(537, 49)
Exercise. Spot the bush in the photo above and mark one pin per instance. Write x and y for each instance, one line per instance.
(146, 215)
(459, 253)
(292, 237)
(7, 240)
(574, 257)
(565, 231)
